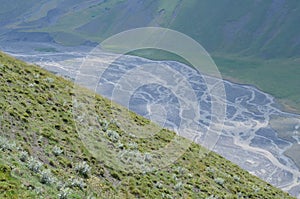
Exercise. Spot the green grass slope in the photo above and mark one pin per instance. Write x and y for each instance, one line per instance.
(42, 155)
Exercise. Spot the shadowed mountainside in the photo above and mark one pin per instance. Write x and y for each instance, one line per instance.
(267, 29)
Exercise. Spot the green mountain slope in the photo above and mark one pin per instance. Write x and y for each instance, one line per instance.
(266, 29)
(42, 155)
(253, 42)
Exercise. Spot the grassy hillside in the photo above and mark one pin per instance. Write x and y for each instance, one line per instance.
(42, 155)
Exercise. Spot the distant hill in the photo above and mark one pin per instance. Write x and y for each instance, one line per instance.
(267, 28)
(252, 41)
(43, 156)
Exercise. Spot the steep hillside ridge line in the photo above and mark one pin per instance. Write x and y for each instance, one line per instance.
(42, 154)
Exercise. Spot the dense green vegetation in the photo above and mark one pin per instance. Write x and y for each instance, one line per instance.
(42, 155)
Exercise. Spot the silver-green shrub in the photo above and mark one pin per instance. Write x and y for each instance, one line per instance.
(34, 165)
(83, 169)
(57, 151)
